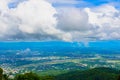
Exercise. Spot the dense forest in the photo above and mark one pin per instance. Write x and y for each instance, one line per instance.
(91, 74)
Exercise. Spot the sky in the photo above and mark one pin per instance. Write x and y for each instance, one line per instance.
(64, 20)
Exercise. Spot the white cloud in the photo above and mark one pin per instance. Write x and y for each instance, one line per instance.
(31, 19)
(73, 19)
(107, 20)
(3, 4)
(39, 20)
(96, 23)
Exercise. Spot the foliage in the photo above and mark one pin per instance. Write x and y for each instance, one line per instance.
(1, 70)
(1, 73)
(32, 76)
(27, 76)
(91, 74)
(118, 77)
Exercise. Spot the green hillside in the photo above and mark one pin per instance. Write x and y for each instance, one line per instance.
(92, 74)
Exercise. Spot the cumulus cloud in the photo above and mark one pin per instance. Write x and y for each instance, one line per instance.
(30, 19)
(95, 23)
(40, 20)
(73, 19)
(107, 20)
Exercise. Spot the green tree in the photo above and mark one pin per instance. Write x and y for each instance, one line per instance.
(27, 76)
(1, 73)
(47, 78)
(6, 77)
(118, 77)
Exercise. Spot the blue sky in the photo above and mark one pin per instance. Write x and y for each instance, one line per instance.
(14, 3)
(99, 2)
(86, 3)
(79, 3)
